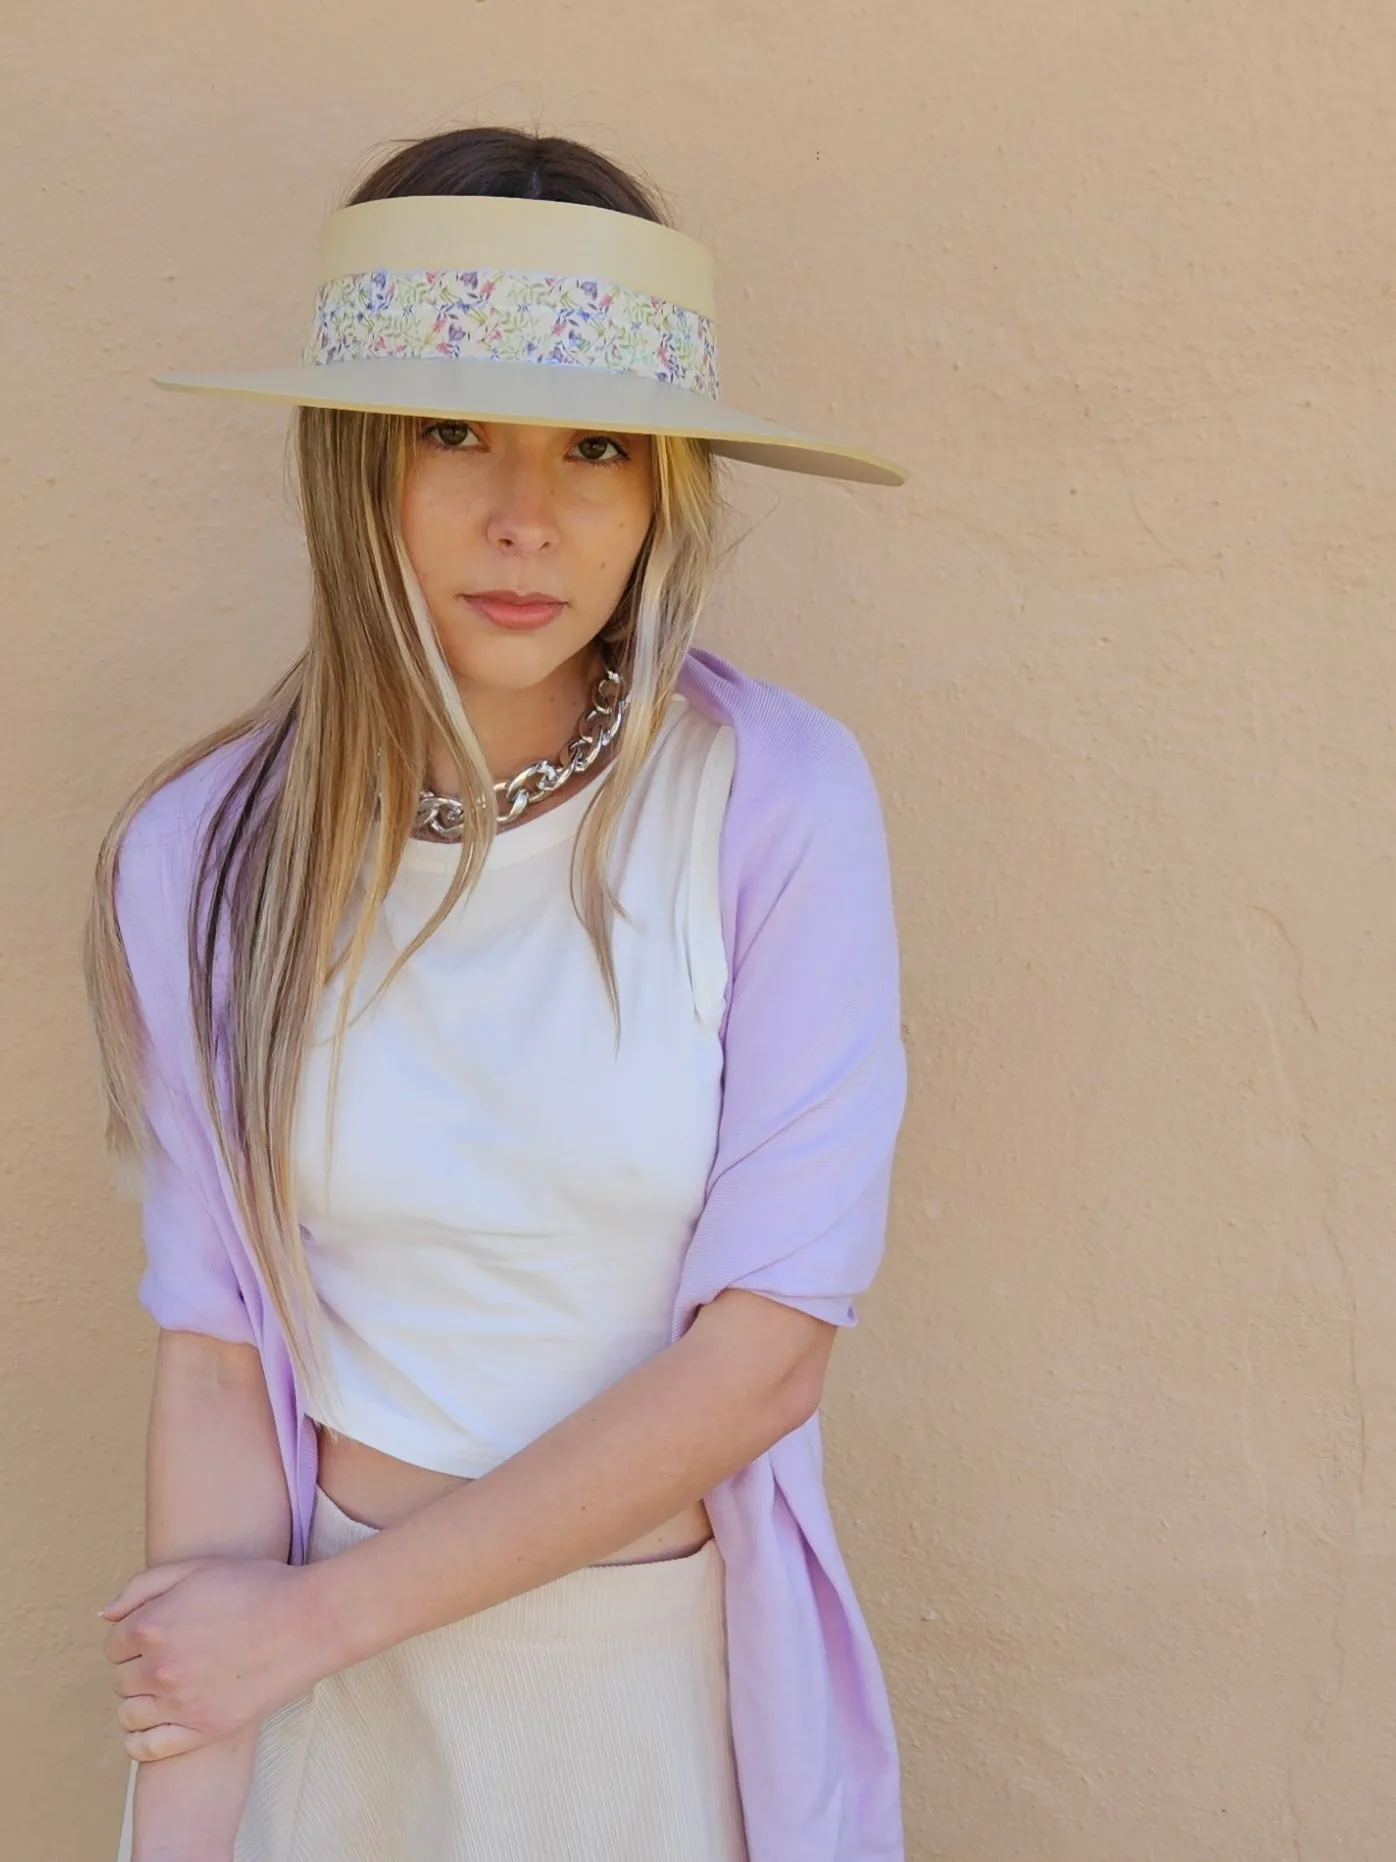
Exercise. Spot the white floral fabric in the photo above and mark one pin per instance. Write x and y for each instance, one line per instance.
(514, 316)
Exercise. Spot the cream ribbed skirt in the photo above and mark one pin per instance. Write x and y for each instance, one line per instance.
(584, 1721)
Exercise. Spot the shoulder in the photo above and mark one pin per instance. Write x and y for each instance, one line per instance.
(775, 729)
(176, 813)
(807, 899)
(162, 837)
(799, 769)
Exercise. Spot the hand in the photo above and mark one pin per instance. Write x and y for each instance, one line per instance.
(209, 1645)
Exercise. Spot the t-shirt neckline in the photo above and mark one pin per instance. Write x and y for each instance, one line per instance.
(530, 834)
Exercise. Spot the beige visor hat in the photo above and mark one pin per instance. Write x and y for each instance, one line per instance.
(532, 311)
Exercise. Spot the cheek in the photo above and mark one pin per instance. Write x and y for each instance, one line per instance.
(623, 531)
(430, 522)
(415, 513)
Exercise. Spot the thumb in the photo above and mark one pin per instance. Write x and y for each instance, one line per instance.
(152, 1582)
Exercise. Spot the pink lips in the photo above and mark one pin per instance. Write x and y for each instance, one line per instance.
(507, 612)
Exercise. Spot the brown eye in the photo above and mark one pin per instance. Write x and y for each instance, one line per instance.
(448, 432)
(603, 439)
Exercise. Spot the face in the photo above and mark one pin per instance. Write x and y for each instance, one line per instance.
(551, 511)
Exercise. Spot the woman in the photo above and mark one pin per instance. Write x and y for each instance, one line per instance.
(514, 1123)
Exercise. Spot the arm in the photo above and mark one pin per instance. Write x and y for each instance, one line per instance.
(747, 1372)
(222, 1641)
(213, 1485)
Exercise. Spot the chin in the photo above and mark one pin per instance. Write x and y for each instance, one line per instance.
(508, 662)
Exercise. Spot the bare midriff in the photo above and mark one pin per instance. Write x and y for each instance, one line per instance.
(379, 1490)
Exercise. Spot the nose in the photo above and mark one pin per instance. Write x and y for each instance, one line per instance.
(521, 512)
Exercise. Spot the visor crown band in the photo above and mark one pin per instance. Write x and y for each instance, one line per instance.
(513, 316)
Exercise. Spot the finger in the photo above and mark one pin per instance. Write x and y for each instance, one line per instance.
(166, 1741)
(152, 1582)
(130, 1677)
(138, 1713)
(122, 1642)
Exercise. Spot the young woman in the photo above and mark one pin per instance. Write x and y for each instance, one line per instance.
(502, 1017)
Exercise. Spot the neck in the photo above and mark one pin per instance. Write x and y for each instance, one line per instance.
(518, 728)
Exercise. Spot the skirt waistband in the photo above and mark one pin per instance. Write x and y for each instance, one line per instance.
(604, 1601)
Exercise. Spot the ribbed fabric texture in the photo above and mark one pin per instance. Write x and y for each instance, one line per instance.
(583, 1721)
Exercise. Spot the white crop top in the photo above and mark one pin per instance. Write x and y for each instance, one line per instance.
(499, 1234)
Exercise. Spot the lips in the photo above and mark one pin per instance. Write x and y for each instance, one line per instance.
(507, 610)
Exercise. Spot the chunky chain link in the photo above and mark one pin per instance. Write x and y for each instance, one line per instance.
(442, 817)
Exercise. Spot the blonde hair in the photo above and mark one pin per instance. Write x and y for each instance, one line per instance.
(340, 748)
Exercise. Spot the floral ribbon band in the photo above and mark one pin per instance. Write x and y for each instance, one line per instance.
(514, 316)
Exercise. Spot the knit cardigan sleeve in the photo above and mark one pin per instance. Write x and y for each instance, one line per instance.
(190, 1282)
(815, 1075)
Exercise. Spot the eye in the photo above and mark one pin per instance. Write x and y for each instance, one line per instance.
(604, 439)
(446, 433)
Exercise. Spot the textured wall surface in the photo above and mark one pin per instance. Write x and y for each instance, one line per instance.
(1113, 1449)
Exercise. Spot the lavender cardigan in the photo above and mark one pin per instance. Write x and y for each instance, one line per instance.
(814, 1085)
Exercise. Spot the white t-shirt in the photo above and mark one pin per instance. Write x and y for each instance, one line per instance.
(500, 1232)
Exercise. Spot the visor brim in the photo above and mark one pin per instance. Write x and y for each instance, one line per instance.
(546, 394)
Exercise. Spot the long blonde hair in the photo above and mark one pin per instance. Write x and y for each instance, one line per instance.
(338, 754)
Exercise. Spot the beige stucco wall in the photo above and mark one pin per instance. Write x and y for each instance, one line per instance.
(1113, 1450)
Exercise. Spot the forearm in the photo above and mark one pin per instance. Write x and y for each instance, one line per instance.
(744, 1375)
(187, 1809)
(213, 1478)
(213, 1486)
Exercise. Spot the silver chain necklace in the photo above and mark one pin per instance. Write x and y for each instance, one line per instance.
(442, 817)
